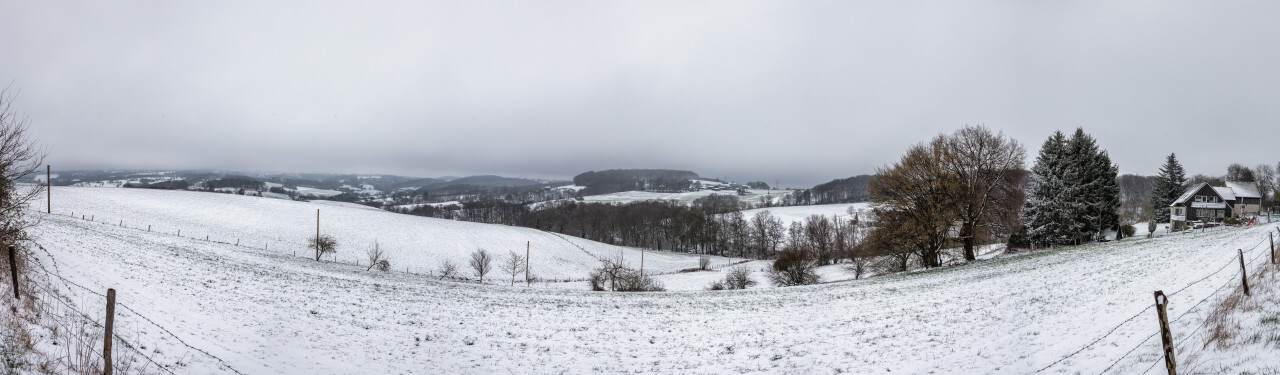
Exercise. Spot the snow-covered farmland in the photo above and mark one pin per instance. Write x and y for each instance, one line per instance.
(268, 312)
(791, 214)
(753, 196)
(416, 243)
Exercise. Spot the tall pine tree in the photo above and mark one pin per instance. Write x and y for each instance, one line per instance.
(1050, 210)
(1169, 186)
(1074, 194)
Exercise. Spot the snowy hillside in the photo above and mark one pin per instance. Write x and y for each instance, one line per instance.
(792, 214)
(267, 312)
(416, 243)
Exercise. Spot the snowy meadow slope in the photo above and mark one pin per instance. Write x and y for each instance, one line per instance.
(270, 312)
(417, 244)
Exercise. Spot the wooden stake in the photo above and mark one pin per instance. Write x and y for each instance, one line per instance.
(317, 234)
(527, 245)
(13, 269)
(1272, 239)
(48, 180)
(179, 232)
(111, 319)
(1166, 336)
(148, 227)
(1244, 278)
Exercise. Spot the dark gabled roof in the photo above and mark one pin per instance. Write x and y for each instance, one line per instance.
(1191, 192)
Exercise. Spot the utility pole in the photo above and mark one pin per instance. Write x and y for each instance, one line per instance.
(317, 234)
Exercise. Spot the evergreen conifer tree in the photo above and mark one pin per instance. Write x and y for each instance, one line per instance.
(1050, 209)
(1170, 185)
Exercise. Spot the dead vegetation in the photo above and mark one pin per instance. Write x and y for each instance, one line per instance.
(1225, 325)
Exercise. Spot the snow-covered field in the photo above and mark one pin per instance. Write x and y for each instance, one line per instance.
(791, 214)
(269, 312)
(418, 244)
(753, 196)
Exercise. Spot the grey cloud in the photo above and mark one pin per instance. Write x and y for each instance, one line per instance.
(803, 92)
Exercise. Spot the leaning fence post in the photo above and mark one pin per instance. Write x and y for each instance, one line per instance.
(1166, 336)
(13, 269)
(106, 346)
(1272, 239)
(1244, 278)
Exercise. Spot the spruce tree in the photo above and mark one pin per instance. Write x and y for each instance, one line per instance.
(1169, 186)
(1050, 209)
(1097, 194)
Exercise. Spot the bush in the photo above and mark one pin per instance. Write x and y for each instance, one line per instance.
(1128, 230)
(324, 244)
(704, 262)
(448, 269)
(1231, 221)
(1151, 226)
(794, 266)
(739, 277)
(1019, 239)
(614, 275)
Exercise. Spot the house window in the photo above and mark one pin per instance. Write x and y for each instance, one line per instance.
(1200, 212)
(1199, 198)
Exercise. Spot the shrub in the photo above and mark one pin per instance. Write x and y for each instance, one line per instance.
(1019, 239)
(614, 275)
(739, 277)
(1128, 230)
(1151, 226)
(1231, 221)
(448, 269)
(323, 244)
(704, 262)
(794, 266)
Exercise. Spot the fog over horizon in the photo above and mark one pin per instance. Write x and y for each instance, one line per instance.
(796, 92)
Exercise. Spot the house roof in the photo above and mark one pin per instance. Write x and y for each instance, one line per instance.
(1187, 195)
(1225, 192)
(1244, 189)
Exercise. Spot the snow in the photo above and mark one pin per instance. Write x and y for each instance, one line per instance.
(317, 192)
(791, 214)
(1243, 189)
(419, 243)
(753, 196)
(572, 187)
(270, 312)
(343, 204)
(1226, 193)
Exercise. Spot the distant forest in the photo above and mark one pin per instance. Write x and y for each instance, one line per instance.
(619, 180)
(845, 190)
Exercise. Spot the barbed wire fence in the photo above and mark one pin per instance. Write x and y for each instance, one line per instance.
(1231, 280)
(128, 315)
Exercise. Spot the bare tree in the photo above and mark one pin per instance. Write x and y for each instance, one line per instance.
(448, 269)
(481, 263)
(988, 171)
(324, 244)
(377, 258)
(917, 193)
(704, 262)
(1266, 176)
(794, 266)
(513, 265)
(19, 156)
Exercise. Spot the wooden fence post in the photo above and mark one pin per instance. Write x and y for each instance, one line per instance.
(317, 234)
(1244, 277)
(179, 232)
(1166, 336)
(527, 245)
(111, 319)
(148, 227)
(48, 189)
(13, 269)
(1272, 239)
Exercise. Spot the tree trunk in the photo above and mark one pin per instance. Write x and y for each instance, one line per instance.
(966, 232)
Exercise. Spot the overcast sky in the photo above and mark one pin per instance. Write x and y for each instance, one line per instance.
(798, 91)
